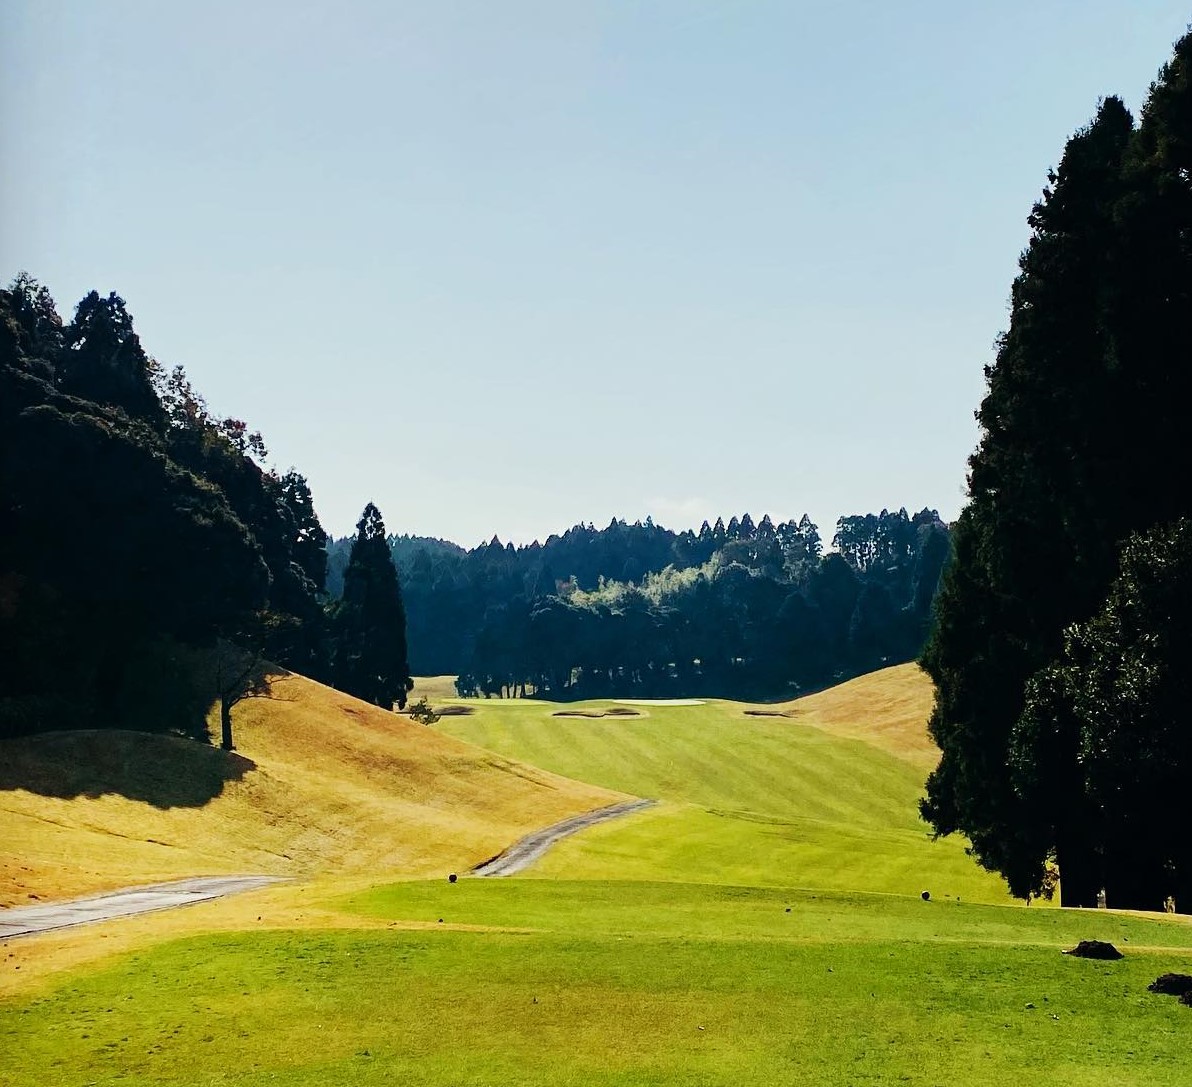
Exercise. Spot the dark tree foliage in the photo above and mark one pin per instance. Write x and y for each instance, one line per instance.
(279, 511)
(106, 546)
(136, 533)
(448, 591)
(104, 360)
(1119, 696)
(760, 615)
(1082, 436)
(369, 621)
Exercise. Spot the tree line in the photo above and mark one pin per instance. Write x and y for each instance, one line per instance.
(1065, 622)
(749, 610)
(149, 564)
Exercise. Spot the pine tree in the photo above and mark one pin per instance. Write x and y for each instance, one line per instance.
(1030, 553)
(104, 360)
(369, 623)
(1083, 431)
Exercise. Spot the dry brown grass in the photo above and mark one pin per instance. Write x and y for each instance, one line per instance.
(888, 709)
(434, 689)
(321, 783)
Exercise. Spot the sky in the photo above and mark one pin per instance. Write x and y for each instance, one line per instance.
(502, 267)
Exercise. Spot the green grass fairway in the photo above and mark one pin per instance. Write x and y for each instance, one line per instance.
(595, 982)
(761, 926)
(747, 800)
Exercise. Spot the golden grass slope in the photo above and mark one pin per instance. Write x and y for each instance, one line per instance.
(320, 783)
(887, 709)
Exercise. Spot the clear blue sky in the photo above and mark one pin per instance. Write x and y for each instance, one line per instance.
(501, 267)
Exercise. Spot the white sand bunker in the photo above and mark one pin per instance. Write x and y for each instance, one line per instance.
(659, 701)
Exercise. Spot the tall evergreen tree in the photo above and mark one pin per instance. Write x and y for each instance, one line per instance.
(1120, 697)
(104, 360)
(368, 624)
(1030, 557)
(1082, 432)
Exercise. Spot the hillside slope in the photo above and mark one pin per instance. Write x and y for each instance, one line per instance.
(887, 709)
(821, 792)
(320, 782)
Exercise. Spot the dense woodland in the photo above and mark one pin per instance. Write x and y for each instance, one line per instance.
(1060, 656)
(149, 565)
(739, 610)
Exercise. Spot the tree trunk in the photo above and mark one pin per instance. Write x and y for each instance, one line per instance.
(225, 724)
(1080, 876)
(1136, 882)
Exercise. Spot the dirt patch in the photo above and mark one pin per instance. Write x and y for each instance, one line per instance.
(454, 711)
(614, 712)
(1173, 985)
(769, 713)
(1094, 949)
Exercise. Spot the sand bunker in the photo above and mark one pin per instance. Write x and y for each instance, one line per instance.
(660, 701)
(616, 711)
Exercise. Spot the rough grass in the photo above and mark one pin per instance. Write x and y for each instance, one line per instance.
(320, 782)
(623, 983)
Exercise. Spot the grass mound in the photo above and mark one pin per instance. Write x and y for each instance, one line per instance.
(320, 781)
(1095, 949)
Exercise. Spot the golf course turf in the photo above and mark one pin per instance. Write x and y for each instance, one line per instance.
(762, 924)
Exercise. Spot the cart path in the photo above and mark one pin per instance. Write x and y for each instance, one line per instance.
(530, 848)
(27, 920)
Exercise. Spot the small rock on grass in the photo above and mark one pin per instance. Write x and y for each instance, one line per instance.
(1094, 949)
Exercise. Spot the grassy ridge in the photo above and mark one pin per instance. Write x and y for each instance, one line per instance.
(320, 782)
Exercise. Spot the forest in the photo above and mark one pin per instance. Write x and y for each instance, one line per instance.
(741, 610)
(150, 567)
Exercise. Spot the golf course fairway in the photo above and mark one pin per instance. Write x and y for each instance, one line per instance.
(763, 923)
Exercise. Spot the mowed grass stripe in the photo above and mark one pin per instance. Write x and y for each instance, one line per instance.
(709, 755)
(747, 799)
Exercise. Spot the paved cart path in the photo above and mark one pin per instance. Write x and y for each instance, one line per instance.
(27, 920)
(525, 852)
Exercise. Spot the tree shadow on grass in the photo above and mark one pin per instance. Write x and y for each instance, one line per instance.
(165, 771)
